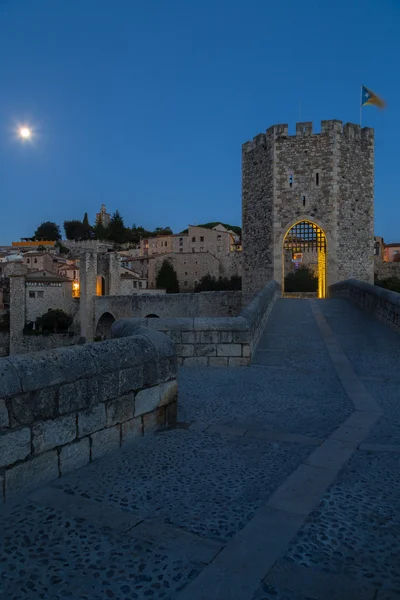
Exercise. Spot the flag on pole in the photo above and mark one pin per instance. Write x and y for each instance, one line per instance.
(370, 98)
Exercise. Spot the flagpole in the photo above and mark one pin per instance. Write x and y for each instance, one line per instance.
(361, 105)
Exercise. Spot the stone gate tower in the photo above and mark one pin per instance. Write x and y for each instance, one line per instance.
(325, 178)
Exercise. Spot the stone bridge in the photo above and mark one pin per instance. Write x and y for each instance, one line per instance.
(107, 309)
(279, 480)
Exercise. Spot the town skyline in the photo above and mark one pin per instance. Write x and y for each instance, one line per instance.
(158, 131)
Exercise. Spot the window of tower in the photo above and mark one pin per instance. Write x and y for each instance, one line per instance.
(317, 179)
(290, 180)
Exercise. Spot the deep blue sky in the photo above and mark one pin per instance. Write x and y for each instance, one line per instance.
(145, 105)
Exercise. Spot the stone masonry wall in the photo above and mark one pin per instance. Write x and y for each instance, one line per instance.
(61, 409)
(325, 178)
(28, 343)
(218, 341)
(383, 304)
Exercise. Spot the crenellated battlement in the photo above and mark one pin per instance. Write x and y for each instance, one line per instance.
(334, 127)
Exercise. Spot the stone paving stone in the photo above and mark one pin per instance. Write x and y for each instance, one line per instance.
(210, 485)
(46, 554)
(355, 529)
(317, 584)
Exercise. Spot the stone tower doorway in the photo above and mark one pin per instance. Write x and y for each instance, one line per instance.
(304, 248)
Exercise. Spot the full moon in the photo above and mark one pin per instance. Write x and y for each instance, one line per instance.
(25, 133)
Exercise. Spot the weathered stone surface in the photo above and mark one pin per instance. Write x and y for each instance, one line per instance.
(120, 409)
(154, 420)
(191, 337)
(34, 406)
(226, 337)
(229, 350)
(31, 474)
(171, 413)
(108, 384)
(147, 400)
(92, 419)
(168, 392)
(218, 361)
(196, 361)
(105, 441)
(75, 455)
(10, 383)
(175, 336)
(185, 349)
(238, 361)
(53, 367)
(4, 419)
(209, 337)
(205, 350)
(132, 429)
(52, 433)
(14, 445)
(246, 350)
(131, 379)
(78, 395)
(166, 368)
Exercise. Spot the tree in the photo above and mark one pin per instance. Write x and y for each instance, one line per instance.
(208, 283)
(73, 229)
(302, 280)
(390, 283)
(54, 321)
(116, 228)
(167, 278)
(48, 231)
(99, 231)
(87, 229)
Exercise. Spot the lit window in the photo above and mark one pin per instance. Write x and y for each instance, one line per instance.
(31, 294)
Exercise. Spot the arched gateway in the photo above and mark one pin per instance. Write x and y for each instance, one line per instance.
(311, 195)
(304, 246)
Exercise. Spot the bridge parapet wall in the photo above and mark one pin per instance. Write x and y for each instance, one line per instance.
(212, 341)
(383, 304)
(63, 408)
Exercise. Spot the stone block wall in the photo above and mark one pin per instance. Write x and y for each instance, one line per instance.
(61, 409)
(28, 343)
(212, 341)
(383, 304)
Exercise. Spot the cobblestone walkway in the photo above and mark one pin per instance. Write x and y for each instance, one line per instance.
(281, 483)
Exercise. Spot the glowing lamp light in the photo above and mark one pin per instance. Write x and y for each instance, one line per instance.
(75, 289)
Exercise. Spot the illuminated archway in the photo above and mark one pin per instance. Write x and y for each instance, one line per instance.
(304, 244)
